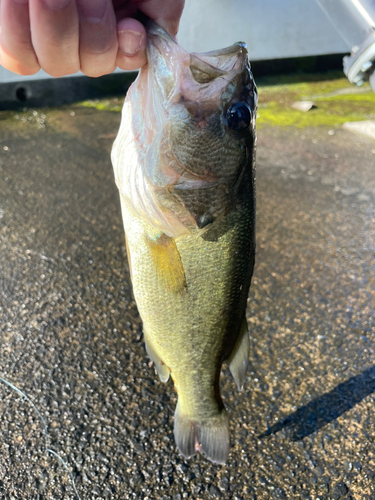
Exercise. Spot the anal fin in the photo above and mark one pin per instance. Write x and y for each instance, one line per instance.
(239, 358)
(167, 262)
(161, 367)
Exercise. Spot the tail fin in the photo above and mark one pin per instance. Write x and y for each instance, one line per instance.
(210, 437)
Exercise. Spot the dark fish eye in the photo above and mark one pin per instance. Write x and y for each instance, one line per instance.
(238, 116)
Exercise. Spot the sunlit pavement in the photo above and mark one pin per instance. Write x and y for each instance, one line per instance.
(71, 337)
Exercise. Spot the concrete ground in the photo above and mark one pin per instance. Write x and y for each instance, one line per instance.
(71, 337)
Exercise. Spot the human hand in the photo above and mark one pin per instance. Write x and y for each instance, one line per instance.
(65, 36)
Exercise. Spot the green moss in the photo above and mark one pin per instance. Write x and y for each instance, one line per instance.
(308, 88)
(362, 97)
(114, 105)
(337, 102)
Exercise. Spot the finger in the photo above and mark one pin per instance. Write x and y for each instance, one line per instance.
(97, 38)
(54, 34)
(16, 50)
(131, 44)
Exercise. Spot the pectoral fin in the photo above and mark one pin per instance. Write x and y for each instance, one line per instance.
(239, 359)
(167, 263)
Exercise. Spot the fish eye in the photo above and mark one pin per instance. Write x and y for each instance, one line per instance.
(238, 116)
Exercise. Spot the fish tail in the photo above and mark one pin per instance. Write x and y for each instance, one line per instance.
(209, 436)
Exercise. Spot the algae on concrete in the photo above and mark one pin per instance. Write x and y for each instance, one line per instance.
(115, 104)
(336, 100)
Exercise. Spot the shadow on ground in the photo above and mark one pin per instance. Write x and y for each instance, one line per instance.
(328, 407)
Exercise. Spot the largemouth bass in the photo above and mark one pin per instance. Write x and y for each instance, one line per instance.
(184, 163)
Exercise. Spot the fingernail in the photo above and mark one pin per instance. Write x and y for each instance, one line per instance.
(130, 42)
(92, 9)
(56, 4)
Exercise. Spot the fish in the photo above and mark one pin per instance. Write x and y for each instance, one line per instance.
(184, 164)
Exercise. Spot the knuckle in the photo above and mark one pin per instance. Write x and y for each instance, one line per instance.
(26, 71)
(58, 72)
(20, 60)
(97, 70)
(98, 73)
(100, 51)
(18, 67)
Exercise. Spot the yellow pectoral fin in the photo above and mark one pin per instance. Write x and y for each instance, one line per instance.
(167, 263)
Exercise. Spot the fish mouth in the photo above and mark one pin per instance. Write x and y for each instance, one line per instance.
(226, 51)
(226, 61)
(204, 66)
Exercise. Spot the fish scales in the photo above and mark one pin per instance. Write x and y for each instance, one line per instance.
(184, 165)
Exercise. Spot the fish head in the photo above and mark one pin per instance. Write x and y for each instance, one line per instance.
(209, 104)
(190, 121)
